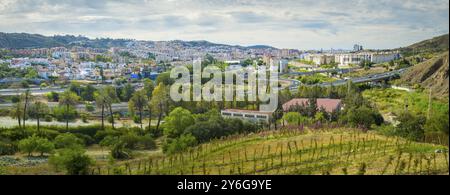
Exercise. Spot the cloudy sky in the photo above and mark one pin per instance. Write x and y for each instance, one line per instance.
(301, 24)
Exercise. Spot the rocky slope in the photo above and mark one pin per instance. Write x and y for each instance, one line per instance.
(432, 74)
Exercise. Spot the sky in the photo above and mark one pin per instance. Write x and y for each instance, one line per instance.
(295, 24)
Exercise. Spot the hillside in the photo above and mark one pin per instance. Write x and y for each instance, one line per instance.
(25, 40)
(435, 45)
(432, 73)
(337, 152)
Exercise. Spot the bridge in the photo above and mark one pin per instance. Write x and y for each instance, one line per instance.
(364, 79)
(336, 70)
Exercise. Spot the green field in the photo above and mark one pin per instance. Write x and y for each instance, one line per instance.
(394, 101)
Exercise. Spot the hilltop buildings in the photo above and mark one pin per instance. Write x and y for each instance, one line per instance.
(346, 59)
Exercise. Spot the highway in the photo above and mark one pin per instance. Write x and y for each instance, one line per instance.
(124, 106)
(364, 79)
(338, 70)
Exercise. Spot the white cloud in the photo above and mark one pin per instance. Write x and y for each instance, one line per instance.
(300, 24)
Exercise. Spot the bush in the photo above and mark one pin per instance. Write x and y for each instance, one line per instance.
(363, 117)
(89, 107)
(120, 152)
(411, 126)
(52, 96)
(48, 118)
(84, 117)
(147, 142)
(15, 99)
(74, 161)
(179, 144)
(155, 132)
(68, 140)
(8, 147)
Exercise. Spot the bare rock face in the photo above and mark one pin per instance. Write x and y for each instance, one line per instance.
(431, 74)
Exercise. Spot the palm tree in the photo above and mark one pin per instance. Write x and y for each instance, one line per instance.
(137, 102)
(67, 99)
(16, 112)
(37, 111)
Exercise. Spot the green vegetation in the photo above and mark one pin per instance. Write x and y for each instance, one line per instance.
(324, 152)
(434, 45)
(315, 79)
(416, 118)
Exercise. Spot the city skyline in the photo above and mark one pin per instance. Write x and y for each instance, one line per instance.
(283, 24)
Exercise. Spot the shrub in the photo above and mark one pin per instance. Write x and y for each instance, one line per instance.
(48, 118)
(7, 147)
(411, 126)
(147, 142)
(155, 132)
(179, 144)
(119, 151)
(73, 160)
(89, 107)
(52, 96)
(68, 140)
(84, 117)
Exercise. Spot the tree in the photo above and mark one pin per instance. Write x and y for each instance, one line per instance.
(177, 121)
(16, 112)
(74, 160)
(148, 88)
(104, 99)
(87, 93)
(159, 101)
(137, 103)
(363, 117)
(68, 99)
(127, 92)
(38, 111)
(165, 79)
(68, 140)
(36, 144)
(100, 102)
(411, 126)
(26, 96)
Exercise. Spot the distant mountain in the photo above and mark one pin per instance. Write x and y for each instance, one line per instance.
(435, 45)
(260, 47)
(433, 73)
(24, 40)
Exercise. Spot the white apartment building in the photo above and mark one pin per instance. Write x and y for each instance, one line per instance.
(374, 57)
(320, 59)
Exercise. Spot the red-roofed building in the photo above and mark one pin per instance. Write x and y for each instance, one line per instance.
(329, 105)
